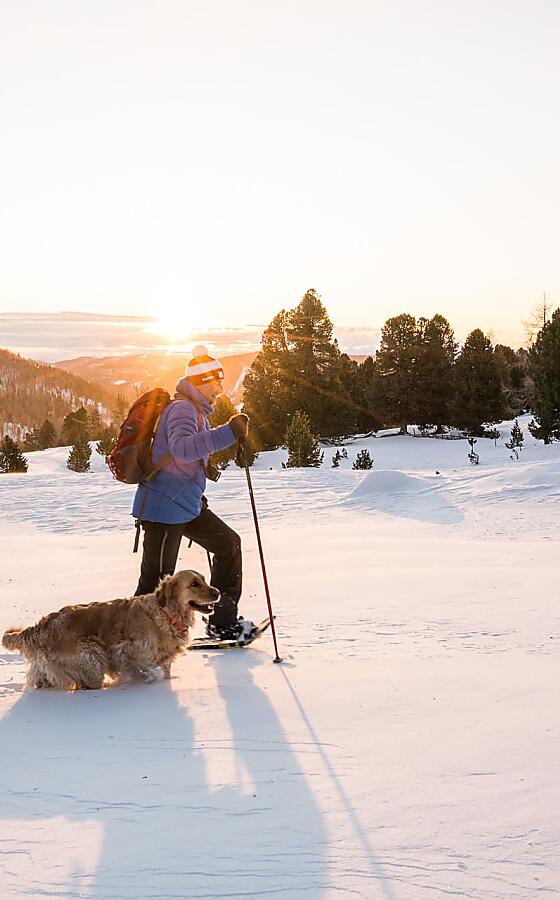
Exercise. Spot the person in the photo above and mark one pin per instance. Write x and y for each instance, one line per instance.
(172, 505)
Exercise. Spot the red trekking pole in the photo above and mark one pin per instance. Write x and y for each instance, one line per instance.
(243, 456)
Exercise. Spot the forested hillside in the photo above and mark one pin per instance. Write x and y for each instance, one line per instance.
(31, 392)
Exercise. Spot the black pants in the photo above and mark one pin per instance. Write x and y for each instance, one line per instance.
(161, 548)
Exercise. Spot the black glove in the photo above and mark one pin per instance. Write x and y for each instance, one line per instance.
(239, 425)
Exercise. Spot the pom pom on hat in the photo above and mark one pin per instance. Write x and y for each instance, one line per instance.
(203, 367)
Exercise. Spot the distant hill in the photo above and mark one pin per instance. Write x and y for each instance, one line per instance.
(31, 392)
(131, 375)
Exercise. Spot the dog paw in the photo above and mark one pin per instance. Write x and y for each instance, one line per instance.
(153, 673)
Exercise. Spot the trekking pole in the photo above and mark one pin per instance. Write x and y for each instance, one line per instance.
(259, 542)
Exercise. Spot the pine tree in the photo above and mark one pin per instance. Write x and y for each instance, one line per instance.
(31, 441)
(11, 458)
(74, 427)
(222, 413)
(364, 396)
(303, 447)
(335, 461)
(79, 456)
(94, 424)
(517, 437)
(107, 441)
(477, 394)
(433, 366)
(119, 411)
(363, 460)
(47, 435)
(544, 369)
(299, 367)
(395, 363)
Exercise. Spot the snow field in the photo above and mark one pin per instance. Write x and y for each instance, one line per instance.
(407, 747)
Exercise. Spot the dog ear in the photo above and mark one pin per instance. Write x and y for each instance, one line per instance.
(166, 591)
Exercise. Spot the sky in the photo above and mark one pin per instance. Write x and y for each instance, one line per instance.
(204, 164)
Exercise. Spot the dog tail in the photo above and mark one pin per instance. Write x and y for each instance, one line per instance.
(20, 639)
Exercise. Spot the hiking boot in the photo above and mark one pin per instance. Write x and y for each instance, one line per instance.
(240, 631)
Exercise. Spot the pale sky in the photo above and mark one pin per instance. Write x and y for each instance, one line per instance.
(206, 163)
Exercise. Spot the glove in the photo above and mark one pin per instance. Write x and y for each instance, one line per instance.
(239, 425)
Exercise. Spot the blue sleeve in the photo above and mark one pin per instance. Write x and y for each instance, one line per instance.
(186, 443)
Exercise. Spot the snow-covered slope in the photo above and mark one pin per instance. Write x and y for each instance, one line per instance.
(406, 748)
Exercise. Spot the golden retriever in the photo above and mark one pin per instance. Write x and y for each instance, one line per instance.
(138, 637)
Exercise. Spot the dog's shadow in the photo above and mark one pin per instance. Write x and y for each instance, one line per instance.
(126, 766)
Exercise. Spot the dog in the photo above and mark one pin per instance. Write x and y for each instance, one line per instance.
(136, 637)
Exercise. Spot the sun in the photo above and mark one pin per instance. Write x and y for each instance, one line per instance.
(176, 326)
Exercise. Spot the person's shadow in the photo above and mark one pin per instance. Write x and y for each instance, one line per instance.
(287, 848)
(119, 778)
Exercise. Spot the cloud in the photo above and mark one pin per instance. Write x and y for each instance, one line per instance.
(52, 337)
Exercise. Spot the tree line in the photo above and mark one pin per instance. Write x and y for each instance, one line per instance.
(419, 375)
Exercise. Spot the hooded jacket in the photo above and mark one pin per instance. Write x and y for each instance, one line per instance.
(174, 495)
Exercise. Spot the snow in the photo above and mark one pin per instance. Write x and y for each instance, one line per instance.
(407, 747)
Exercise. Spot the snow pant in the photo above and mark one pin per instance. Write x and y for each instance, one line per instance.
(160, 549)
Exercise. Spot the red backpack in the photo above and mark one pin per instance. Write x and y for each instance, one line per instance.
(130, 461)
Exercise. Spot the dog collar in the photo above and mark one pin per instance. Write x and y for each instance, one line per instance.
(175, 623)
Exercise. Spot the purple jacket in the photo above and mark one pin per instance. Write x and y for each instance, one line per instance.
(174, 495)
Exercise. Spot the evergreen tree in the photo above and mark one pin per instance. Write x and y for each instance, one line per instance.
(335, 461)
(11, 458)
(477, 394)
(363, 460)
(517, 437)
(299, 367)
(79, 456)
(222, 413)
(433, 366)
(94, 424)
(395, 368)
(107, 441)
(544, 368)
(513, 367)
(47, 435)
(74, 427)
(364, 396)
(31, 440)
(119, 411)
(40, 438)
(302, 445)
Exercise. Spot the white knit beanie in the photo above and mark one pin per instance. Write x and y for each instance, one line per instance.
(203, 367)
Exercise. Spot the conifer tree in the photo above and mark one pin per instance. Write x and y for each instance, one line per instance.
(107, 441)
(79, 456)
(94, 424)
(517, 437)
(299, 367)
(74, 427)
(119, 411)
(47, 435)
(477, 394)
(544, 369)
(365, 397)
(31, 440)
(433, 366)
(302, 445)
(363, 460)
(335, 461)
(11, 458)
(395, 367)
